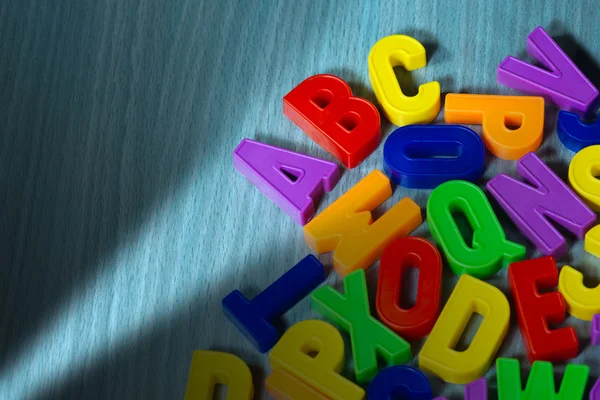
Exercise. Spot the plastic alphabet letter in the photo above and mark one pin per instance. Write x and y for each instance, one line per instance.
(496, 114)
(290, 358)
(559, 81)
(400, 255)
(254, 318)
(535, 311)
(582, 302)
(592, 241)
(346, 226)
(489, 250)
(368, 336)
(425, 156)
(529, 205)
(476, 390)
(438, 355)
(400, 381)
(283, 385)
(294, 182)
(346, 126)
(210, 368)
(540, 384)
(595, 331)
(584, 168)
(595, 392)
(399, 109)
(576, 134)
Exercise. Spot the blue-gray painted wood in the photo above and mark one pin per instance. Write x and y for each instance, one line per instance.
(123, 221)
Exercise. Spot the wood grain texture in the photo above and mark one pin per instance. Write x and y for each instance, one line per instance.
(123, 221)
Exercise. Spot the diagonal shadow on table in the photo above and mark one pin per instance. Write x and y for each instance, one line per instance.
(144, 368)
(94, 138)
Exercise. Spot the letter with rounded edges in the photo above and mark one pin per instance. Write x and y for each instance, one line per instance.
(558, 79)
(400, 255)
(210, 368)
(541, 197)
(582, 302)
(595, 392)
(592, 241)
(346, 126)
(347, 228)
(400, 382)
(438, 355)
(255, 318)
(595, 330)
(425, 156)
(495, 114)
(368, 336)
(575, 133)
(294, 182)
(281, 385)
(540, 384)
(537, 311)
(489, 250)
(399, 109)
(291, 355)
(583, 170)
(476, 390)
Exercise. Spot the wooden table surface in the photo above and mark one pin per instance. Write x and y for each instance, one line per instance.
(123, 220)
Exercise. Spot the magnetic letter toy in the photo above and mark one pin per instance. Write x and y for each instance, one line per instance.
(402, 380)
(399, 109)
(489, 250)
(558, 80)
(592, 241)
(535, 311)
(296, 374)
(497, 115)
(543, 196)
(368, 336)
(210, 368)
(346, 126)
(425, 156)
(595, 330)
(294, 182)
(254, 318)
(400, 255)
(582, 302)
(347, 228)
(595, 392)
(576, 134)
(476, 390)
(438, 355)
(540, 384)
(583, 170)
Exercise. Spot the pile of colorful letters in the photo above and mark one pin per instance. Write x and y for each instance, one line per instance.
(306, 359)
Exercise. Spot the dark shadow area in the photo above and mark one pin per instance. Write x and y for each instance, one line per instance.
(588, 65)
(465, 228)
(95, 134)
(584, 60)
(559, 166)
(410, 287)
(407, 82)
(435, 53)
(469, 332)
(550, 121)
(148, 368)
